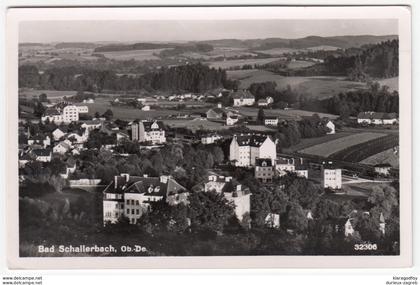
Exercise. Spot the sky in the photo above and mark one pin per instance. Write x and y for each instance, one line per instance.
(194, 30)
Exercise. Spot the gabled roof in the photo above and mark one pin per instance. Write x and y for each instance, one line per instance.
(385, 165)
(260, 161)
(251, 140)
(217, 111)
(41, 152)
(242, 94)
(271, 118)
(148, 125)
(64, 144)
(51, 112)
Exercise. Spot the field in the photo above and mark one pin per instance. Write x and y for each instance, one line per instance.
(278, 51)
(51, 94)
(314, 87)
(306, 143)
(219, 52)
(392, 83)
(195, 124)
(328, 148)
(240, 62)
(133, 54)
(387, 156)
(282, 114)
(299, 64)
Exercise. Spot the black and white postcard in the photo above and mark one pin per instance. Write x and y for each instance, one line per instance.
(209, 137)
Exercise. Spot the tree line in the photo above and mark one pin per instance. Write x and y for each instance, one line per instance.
(190, 78)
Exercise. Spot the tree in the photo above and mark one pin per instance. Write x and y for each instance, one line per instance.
(108, 114)
(260, 116)
(296, 218)
(43, 98)
(209, 210)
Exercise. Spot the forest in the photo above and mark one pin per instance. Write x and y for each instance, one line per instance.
(190, 78)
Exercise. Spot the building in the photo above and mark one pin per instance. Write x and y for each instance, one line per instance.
(40, 139)
(331, 176)
(284, 165)
(210, 138)
(265, 102)
(271, 121)
(272, 220)
(148, 131)
(24, 158)
(52, 115)
(377, 118)
(62, 147)
(233, 192)
(383, 169)
(246, 148)
(70, 114)
(43, 155)
(330, 125)
(231, 120)
(58, 133)
(82, 109)
(264, 169)
(91, 125)
(243, 98)
(130, 196)
(215, 113)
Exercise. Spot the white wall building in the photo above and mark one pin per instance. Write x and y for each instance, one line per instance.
(233, 191)
(70, 114)
(148, 131)
(243, 98)
(231, 120)
(210, 138)
(331, 176)
(246, 148)
(271, 121)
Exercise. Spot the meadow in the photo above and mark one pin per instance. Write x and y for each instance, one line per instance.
(310, 86)
(330, 147)
(387, 156)
(309, 142)
(139, 55)
(282, 114)
(240, 62)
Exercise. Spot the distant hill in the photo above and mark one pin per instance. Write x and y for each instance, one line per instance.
(136, 46)
(76, 45)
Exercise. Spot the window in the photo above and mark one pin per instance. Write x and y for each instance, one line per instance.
(132, 211)
(128, 211)
(137, 212)
(137, 202)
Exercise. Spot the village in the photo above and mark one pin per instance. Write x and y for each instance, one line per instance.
(65, 135)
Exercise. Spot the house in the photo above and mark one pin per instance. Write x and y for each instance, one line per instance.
(377, 118)
(52, 115)
(382, 169)
(130, 196)
(232, 191)
(243, 98)
(148, 131)
(284, 165)
(215, 113)
(91, 125)
(82, 109)
(271, 121)
(68, 169)
(24, 158)
(145, 108)
(264, 169)
(246, 148)
(231, 120)
(265, 102)
(210, 138)
(40, 139)
(61, 148)
(43, 155)
(331, 176)
(58, 133)
(330, 125)
(272, 220)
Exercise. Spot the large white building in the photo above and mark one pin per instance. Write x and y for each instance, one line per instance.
(243, 98)
(232, 191)
(130, 196)
(331, 176)
(246, 148)
(68, 114)
(148, 131)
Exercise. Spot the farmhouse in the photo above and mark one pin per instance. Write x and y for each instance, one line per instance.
(215, 113)
(130, 196)
(330, 125)
(243, 98)
(265, 102)
(264, 170)
(210, 138)
(272, 220)
(377, 118)
(61, 147)
(231, 120)
(271, 121)
(284, 165)
(53, 115)
(58, 133)
(148, 131)
(91, 125)
(331, 176)
(233, 192)
(246, 148)
(383, 169)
